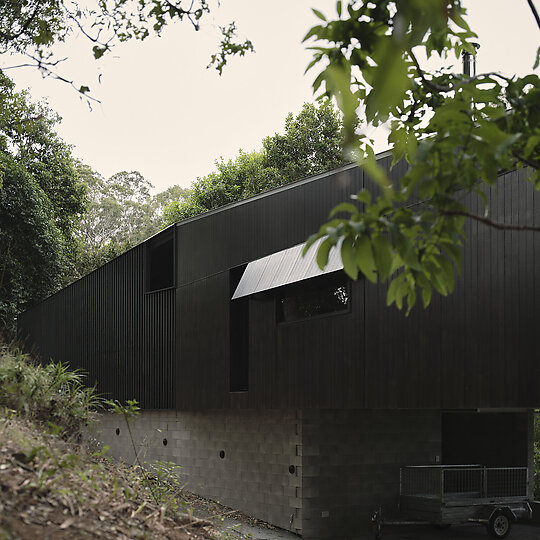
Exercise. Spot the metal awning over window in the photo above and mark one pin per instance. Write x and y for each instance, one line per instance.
(284, 267)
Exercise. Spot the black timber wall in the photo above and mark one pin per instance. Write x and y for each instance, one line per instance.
(107, 326)
(476, 348)
(306, 364)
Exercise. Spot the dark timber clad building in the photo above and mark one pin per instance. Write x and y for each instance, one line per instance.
(294, 396)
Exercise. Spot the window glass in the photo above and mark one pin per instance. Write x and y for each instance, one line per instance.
(312, 298)
(160, 263)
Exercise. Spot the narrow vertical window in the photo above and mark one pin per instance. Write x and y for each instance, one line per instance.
(160, 262)
(239, 335)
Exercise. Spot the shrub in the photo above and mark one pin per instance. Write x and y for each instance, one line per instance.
(51, 394)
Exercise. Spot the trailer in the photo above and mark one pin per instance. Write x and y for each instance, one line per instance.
(446, 495)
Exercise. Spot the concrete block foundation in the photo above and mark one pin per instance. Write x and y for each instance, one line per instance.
(316, 473)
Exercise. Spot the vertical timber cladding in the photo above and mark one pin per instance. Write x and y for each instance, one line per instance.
(106, 325)
(477, 347)
(279, 376)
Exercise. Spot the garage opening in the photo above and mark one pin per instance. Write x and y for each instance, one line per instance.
(493, 439)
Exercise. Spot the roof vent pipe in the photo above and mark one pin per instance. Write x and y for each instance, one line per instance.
(469, 61)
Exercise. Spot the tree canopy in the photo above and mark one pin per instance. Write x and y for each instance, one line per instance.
(121, 213)
(312, 143)
(40, 201)
(456, 132)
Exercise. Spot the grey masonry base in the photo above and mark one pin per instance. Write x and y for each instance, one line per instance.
(318, 473)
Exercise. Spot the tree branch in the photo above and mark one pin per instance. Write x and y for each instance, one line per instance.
(490, 222)
(527, 161)
(24, 27)
(535, 13)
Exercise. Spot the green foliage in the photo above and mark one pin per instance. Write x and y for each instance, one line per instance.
(31, 27)
(228, 47)
(40, 200)
(166, 483)
(118, 211)
(128, 411)
(312, 143)
(51, 394)
(455, 132)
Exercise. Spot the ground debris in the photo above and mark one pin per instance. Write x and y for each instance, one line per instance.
(53, 489)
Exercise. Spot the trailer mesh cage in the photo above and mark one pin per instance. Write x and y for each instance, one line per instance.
(448, 482)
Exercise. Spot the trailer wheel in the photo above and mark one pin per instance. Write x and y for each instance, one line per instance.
(377, 521)
(499, 524)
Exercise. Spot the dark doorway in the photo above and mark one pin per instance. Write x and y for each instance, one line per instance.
(491, 439)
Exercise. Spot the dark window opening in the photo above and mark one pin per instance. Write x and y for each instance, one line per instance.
(160, 263)
(239, 336)
(322, 295)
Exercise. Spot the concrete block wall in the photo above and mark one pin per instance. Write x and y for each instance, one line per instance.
(351, 461)
(259, 449)
(318, 473)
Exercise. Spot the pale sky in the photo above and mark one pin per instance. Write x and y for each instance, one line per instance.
(164, 114)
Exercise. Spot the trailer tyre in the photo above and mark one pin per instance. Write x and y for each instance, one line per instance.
(499, 524)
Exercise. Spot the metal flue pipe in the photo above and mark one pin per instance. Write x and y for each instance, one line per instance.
(469, 61)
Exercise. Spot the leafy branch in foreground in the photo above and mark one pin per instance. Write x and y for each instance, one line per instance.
(456, 132)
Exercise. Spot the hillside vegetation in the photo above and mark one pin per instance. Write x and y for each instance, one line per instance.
(53, 486)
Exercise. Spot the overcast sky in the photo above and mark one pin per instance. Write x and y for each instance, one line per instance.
(164, 114)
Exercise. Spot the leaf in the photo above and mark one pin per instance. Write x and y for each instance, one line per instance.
(348, 257)
(312, 32)
(436, 276)
(426, 295)
(343, 207)
(502, 147)
(319, 14)
(377, 173)
(411, 298)
(98, 51)
(396, 291)
(362, 196)
(406, 251)
(365, 259)
(309, 242)
(338, 8)
(537, 61)
(447, 272)
(454, 251)
(323, 252)
(84, 89)
(532, 143)
(383, 256)
(391, 81)
(392, 291)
